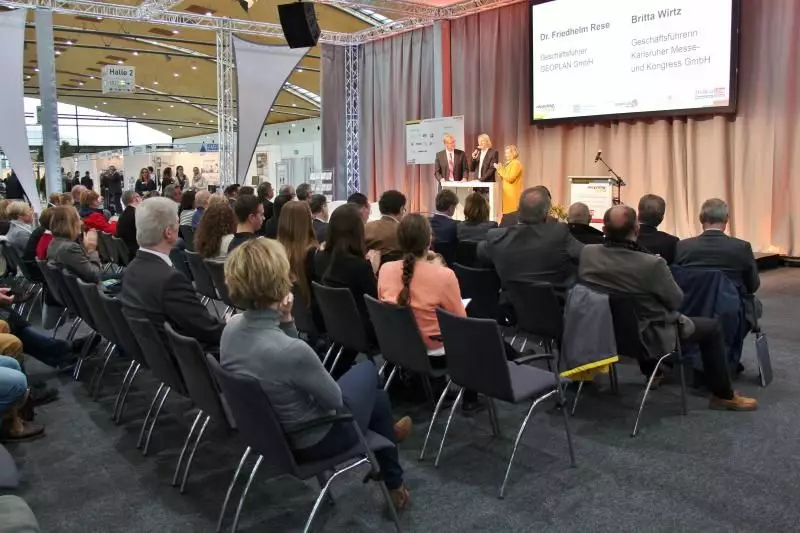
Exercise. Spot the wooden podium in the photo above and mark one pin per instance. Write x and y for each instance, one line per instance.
(464, 189)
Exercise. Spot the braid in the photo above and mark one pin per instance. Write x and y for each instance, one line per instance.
(404, 297)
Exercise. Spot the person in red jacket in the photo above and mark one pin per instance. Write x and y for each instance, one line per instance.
(92, 214)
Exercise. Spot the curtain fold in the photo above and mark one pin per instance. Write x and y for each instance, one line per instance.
(752, 160)
(333, 115)
(396, 86)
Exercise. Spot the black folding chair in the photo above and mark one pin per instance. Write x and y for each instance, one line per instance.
(91, 297)
(203, 282)
(343, 322)
(187, 234)
(482, 286)
(54, 292)
(448, 251)
(69, 285)
(467, 253)
(121, 251)
(216, 269)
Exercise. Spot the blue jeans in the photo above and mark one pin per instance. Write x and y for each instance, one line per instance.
(13, 383)
(372, 411)
(49, 351)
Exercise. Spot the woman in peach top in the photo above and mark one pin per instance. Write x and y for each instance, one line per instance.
(511, 176)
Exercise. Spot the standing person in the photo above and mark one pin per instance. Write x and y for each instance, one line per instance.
(484, 158)
(115, 182)
(265, 193)
(66, 179)
(319, 211)
(198, 181)
(14, 190)
(180, 177)
(166, 179)
(87, 181)
(126, 225)
(511, 174)
(145, 182)
(451, 163)
(75, 179)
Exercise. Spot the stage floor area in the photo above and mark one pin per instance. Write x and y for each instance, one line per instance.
(709, 471)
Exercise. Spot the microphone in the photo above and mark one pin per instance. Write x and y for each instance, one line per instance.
(597, 157)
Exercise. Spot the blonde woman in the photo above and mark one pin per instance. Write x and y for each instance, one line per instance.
(484, 158)
(511, 174)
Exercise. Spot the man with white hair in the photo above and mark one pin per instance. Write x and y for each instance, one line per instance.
(152, 288)
(451, 163)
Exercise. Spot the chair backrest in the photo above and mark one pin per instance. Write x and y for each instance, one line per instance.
(340, 314)
(18, 263)
(104, 248)
(398, 335)
(467, 253)
(203, 282)
(81, 307)
(537, 309)
(52, 285)
(476, 357)
(303, 315)
(447, 250)
(200, 384)
(626, 326)
(255, 419)
(125, 336)
(121, 252)
(482, 286)
(159, 357)
(181, 263)
(187, 234)
(91, 297)
(216, 270)
(11, 255)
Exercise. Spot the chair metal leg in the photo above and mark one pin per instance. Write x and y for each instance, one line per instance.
(524, 344)
(614, 378)
(325, 488)
(76, 323)
(147, 416)
(62, 319)
(453, 409)
(39, 292)
(522, 427)
(336, 359)
(230, 488)
(491, 409)
(118, 414)
(390, 378)
(327, 355)
(122, 388)
(155, 421)
(111, 348)
(646, 392)
(577, 397)
(185, 445)
(562, 400)
(244, 493)
(433, 419)
(684, 404)
(188, 467)
(84, 355)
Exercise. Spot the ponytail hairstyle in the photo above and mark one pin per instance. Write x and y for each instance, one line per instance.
(414, 237)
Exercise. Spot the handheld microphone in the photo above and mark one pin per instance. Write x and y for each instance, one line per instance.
(597, 157)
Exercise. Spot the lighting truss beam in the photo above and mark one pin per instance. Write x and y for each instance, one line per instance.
(226, 112)
(352, 86)
(148, 8)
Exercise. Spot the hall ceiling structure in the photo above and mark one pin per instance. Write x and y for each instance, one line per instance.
(173, 47)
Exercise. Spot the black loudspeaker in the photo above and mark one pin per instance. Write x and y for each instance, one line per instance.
(299, 23)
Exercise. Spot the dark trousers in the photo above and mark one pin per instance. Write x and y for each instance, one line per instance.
(49, 351)
(372, 411)
(708, 334)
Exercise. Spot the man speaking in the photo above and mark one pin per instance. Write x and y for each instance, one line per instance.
(451, 163)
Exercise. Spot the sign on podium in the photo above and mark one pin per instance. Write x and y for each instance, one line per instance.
(464, 189)
(597, 192)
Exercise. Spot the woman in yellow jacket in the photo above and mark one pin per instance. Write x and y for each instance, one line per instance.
(511, 174)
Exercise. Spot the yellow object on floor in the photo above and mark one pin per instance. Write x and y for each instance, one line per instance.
(588, 371)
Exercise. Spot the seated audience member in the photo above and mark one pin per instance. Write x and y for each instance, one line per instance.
(271, 226)
(246, 189)
(476, 222)
(265, 194)
(381, 234)
(66, 199)
(296, 234)
(54, 199)
(714, 250)
(40, 238)
(201, 199)
(579, 217)
(512, 219)
(651, 214)
(20, 216)
(153, 289)
(77, 194)
(173, 192)
(187, 209)
(319, 212)
(215, 231)
(303, 192)
(444, 228)
(287, 190)
(345, 262)
(126, 225)
(13, 395)
(92, 214)
(249, 217)
(621, 267)
(231, 193)
(363, 205)
(65, 251)
(262, 343)
(534, 250)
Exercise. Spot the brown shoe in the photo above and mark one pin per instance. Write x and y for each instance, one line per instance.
(24, 432)
(400, 497)
(737, 403)
(402, 429)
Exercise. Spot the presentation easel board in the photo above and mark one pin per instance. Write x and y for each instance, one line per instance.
(424, 138)
(597, 192)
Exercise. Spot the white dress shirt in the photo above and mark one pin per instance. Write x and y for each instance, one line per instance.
(163, 256)
(480, 163)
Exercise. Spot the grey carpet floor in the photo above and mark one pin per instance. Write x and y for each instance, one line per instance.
(709, 471)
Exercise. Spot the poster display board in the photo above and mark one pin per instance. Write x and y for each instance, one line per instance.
(597, 192)
(322, 183)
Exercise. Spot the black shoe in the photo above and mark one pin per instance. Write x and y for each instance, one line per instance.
(43, 396)
(470, 409)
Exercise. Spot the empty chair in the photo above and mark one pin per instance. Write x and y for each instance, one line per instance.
(121, 251)
(303, 316)
(91, 296)
(264, 434)
(202, 389)
(538, 312)
(104, 249)
(55, 294)
(187, 234)
(482, 286)
(343, 322)
(476, 361)
(217, 271)
(69, 288)
(203, 282)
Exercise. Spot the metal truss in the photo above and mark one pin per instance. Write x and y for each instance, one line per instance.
(352, 87)
(226, 112)
(148, 8)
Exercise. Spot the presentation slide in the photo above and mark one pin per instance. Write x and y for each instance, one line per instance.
(622, 57)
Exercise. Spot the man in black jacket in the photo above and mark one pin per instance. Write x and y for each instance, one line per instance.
(319, 214)
(115, 182)
(152, 288)
(651, 214)
(126, 225)
(579, 218)
(443, 227)
(87, 181)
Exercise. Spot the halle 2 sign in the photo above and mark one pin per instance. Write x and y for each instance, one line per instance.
(117, 79)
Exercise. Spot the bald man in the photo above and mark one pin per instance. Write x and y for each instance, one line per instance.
(579, 217)
(620, 266)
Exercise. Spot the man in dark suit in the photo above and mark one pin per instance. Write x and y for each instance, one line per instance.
(579, 217)
(651, 214)
(714, 250)
(115, 183)
(152, 288)
(451, 163)
(511, 219)
(126, 225)
(444, 228)
(620, 266)
(534, 250)
(483, 159)
(265, 193)
(319, 214)
(87, 181)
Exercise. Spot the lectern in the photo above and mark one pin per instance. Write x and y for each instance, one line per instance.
(464, 188)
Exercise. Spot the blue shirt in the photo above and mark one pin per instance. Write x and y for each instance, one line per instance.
(198, 213)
